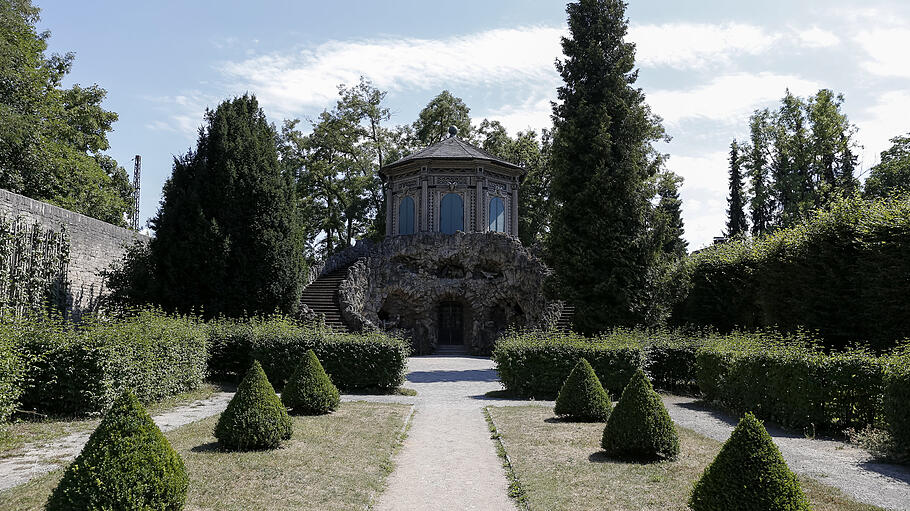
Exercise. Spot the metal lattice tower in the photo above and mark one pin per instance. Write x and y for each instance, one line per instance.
(137, 170)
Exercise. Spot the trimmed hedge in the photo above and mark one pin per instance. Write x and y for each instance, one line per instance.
(789, 380)
(749, 474)
(78, 370)
(127, 463)
(842, 273)
(535, 364)
(352, 361)
(897, 400)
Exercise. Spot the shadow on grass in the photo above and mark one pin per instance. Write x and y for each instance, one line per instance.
(603, 457)
(210, 447)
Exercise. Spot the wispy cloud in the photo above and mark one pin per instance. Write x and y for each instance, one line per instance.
(887, 51)
(697, 45)
(881, 122)
(727, 98)
(816, 37)
(289, 83)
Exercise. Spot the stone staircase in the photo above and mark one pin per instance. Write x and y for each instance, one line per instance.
(321, 296)
(566, 317)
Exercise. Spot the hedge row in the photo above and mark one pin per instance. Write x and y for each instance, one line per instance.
(353, 361)
(787, 379)
(78, 370)
(842, 273)
(535, 364)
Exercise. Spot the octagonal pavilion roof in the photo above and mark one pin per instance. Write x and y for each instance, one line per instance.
(451, 148)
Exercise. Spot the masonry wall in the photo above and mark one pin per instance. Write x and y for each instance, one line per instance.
(94, 245)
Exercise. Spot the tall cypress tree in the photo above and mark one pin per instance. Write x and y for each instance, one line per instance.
(760, 202)
(602, 162)
(227, 240)
(668, 216)
(736, 217)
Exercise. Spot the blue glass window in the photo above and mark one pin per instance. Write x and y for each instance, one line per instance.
(406, 216)
(497, 215)
(451, 214)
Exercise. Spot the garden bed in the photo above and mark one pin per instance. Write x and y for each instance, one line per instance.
(560, 465)
(338, 461)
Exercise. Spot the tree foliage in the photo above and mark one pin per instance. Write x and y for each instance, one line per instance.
(531, 152)
(603, 163)
(227, 238)
(52, 139)
(337, 169)
(640, 426)
(800, 157)
(310, 391)
(736, 216)
(892, 174)
(445, 110)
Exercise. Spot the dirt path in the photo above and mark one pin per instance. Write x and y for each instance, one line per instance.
(448, 460)
(36, 460)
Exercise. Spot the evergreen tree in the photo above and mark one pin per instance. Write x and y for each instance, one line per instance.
(227, 238)
(760, 202)
(668, 217)
(433, 122)
(736, 217)
(640, 426)
(602, 161)
(52, 140)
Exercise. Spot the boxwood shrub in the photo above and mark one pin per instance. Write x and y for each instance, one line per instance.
(353, 361)
(535, 364)
(81, 369)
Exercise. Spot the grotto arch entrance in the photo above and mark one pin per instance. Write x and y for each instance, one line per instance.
(451, 323)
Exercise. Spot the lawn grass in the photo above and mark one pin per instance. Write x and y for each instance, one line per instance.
(560, 465)
(337, 461)
(39, 429)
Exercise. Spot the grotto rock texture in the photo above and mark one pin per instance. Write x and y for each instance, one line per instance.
(488, 280)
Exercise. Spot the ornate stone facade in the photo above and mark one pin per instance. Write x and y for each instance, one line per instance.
(467, 287)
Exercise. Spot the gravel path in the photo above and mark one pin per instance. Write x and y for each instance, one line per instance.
(448, 460)
(40, 459)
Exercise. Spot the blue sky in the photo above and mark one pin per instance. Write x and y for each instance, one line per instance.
(704, 66)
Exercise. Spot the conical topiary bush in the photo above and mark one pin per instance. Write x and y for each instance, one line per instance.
(582, 397)
(310, 391)
(748, 474)
(640, 427)
(126, 464)
(255, 418)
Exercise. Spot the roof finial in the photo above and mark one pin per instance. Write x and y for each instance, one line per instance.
(453, 131)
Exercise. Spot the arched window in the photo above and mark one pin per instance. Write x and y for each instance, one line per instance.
(497, 215)
(406, 216)
(451, 214)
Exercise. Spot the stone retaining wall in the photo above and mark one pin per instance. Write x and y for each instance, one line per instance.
(94, 245)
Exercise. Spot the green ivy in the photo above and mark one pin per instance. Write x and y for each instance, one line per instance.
(33, 263)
